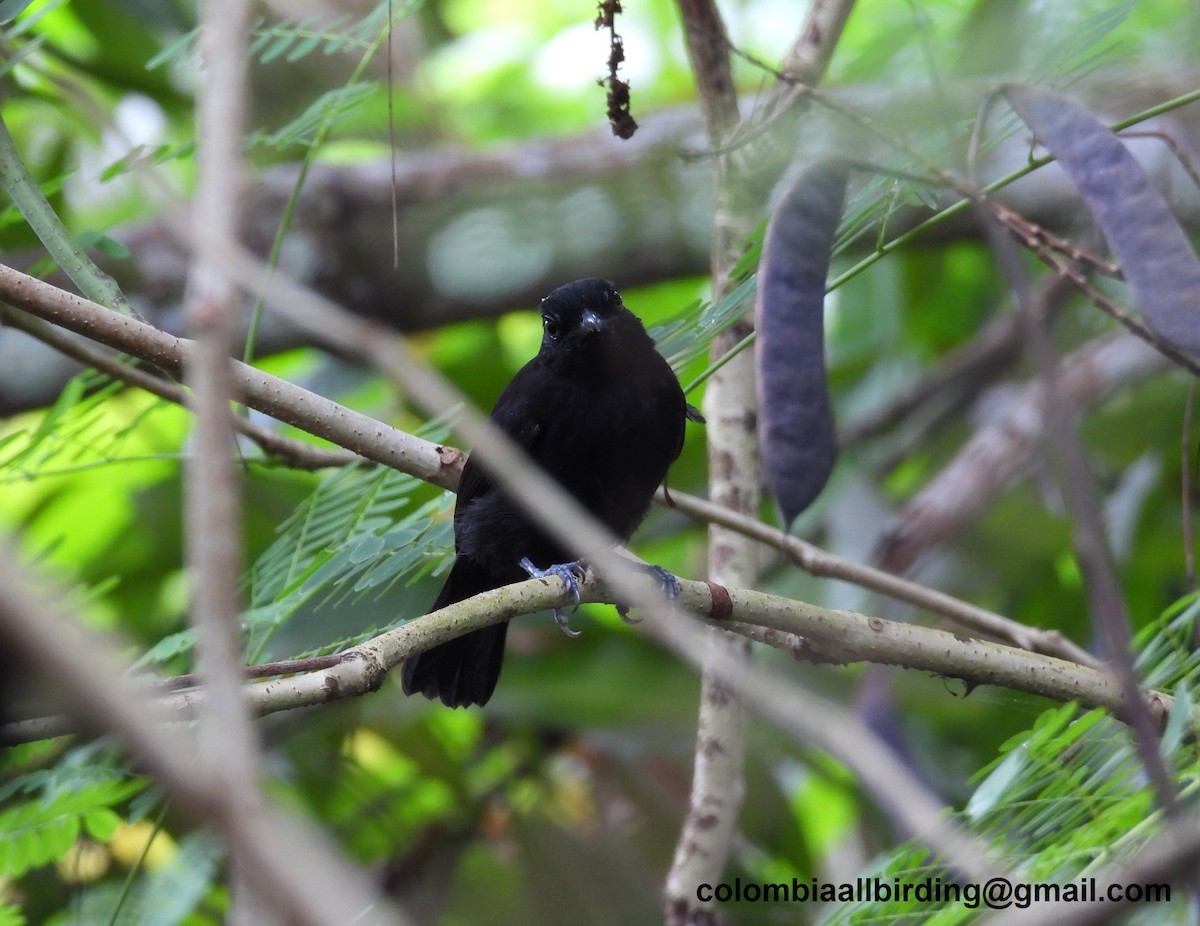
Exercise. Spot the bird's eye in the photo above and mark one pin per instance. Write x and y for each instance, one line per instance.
(550, 326)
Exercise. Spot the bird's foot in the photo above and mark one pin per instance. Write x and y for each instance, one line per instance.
(571, 575)
(670, 588)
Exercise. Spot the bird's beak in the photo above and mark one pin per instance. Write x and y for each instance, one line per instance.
(591, 322)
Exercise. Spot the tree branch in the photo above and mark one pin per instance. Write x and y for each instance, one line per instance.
(439, 464)
(818, 562)
(703, 845)
(291, 452)
(229, 746)
(828, 635)
(268, 394)
(315, 885)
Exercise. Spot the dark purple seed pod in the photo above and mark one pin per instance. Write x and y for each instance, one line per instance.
(1155, 255)
(795, 421)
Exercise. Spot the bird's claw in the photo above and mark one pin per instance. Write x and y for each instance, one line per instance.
(571, 575)
(670, 588)
(561, 619)
(670, 584)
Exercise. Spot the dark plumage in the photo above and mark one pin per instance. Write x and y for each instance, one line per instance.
(602, 413)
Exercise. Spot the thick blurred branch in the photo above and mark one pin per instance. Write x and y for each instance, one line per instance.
(229, 746)
(311, 882)
(1107, 607)
(730, 403)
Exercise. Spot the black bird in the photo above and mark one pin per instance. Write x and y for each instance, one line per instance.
(601, 411)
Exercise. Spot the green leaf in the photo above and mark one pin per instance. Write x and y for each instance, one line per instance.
(183, 46)
(277, 47)
(101, 823)
(167, 648)
(11, 916)
(690, 334)
(176, 889)
(1179, 722)
(42, 830)
(991, 790)
(359, 530)
(328, 107)
(71, 396)
(304, 48)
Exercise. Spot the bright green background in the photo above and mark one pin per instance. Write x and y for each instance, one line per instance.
(562, 801)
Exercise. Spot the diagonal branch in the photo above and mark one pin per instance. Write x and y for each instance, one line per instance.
(818, 562)
(295, 453)
(268, 394)
(1110, 613)
(314, 884)
(438, 464)
(827, 635)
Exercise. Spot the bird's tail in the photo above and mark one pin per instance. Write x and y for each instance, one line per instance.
(462, 671)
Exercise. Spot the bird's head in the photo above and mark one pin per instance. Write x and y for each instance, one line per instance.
(584, 316)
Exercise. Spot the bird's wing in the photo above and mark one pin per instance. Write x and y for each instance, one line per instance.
(517, 417)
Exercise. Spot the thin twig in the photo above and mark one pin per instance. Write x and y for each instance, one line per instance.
(1092, 552)
(1185, 486)
(260, 670)
(1030, 235)
(818, 562)
(394, 186)
(1175, 148)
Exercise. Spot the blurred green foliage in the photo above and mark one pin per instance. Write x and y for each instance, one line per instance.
(561, 802)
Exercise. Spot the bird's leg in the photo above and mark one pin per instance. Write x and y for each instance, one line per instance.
(670, 588)
(571, 575)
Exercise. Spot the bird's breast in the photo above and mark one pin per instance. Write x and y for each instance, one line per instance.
(611, 449)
